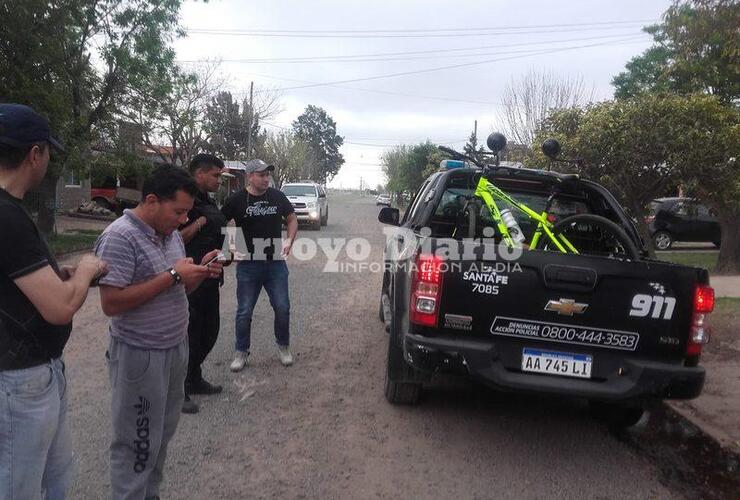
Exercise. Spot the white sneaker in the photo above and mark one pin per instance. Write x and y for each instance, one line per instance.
(286, 358)
(240, 361)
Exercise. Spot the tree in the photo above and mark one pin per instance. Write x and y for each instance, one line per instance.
(46, 61)
(226, 126)
(643, 147)
(406, 167)
(393, 161)
(527, 102)
(418, 164)
(234, 131)
(292, 157)
(696, 50)
(319, 130)
(472, 148)
(178, 119)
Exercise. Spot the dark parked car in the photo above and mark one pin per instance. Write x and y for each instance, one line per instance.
(681, 219)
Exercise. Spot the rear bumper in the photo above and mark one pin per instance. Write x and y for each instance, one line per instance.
(497, 364)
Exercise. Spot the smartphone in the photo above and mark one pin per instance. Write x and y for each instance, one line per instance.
(218, 256)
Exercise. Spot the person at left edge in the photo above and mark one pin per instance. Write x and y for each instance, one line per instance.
(201, 234)
(37, 301)
(144, 293)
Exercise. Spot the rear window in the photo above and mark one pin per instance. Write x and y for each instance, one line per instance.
(295, 190)
(451, 216)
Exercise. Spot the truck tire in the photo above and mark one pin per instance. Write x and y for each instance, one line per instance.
(325, 218)
(103, 203)
(616, 416)
(401, 388)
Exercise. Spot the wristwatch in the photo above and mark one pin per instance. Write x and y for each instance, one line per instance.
(175, 276)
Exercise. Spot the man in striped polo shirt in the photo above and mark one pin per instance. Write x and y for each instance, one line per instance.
(144, 293)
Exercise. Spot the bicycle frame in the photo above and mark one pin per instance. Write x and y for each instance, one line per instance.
(488, 192)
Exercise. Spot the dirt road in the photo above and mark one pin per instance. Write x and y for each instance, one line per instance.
(322, 428)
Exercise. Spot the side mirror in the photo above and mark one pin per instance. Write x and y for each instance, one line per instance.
(389, 215)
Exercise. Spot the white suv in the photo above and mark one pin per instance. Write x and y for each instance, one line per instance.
(309, 202)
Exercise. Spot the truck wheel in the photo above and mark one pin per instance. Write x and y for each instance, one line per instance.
(662, 240)
(325, 218)
(400, 386)
(617, 416)
(103, 203)
(402, 393)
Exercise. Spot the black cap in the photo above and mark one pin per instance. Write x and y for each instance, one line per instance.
(21, 126)
(257, 166)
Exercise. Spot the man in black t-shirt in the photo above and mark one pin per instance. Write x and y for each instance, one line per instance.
(259, 211)
(202, 234)
(37, 301)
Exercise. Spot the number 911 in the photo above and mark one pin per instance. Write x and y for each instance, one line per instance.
(657, 306)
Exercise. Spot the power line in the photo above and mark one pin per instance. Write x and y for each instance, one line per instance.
(374, 91)
(310, 84)
(395, 56)
(417, 33)
(426, 30)
(441, 68)
(400, 143)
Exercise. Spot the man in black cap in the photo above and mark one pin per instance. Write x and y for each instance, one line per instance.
(37, 302)
(202, 234)
(259, 211)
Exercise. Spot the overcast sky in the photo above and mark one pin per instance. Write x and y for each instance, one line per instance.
(490, 42)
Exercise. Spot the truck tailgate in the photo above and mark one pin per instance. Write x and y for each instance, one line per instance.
(582, 304)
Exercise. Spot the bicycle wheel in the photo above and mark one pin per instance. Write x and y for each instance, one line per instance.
(594, 235)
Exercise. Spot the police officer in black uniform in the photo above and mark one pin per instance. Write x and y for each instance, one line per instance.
(202, 234)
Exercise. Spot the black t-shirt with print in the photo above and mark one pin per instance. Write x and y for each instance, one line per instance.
(260, 218)
(26, 339)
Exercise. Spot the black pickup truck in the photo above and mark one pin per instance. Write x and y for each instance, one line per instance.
(618, 330)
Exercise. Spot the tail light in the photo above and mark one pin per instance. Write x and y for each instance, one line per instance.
(426, 290)
(699, 333)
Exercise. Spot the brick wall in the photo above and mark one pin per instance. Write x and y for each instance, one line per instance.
(72, 196)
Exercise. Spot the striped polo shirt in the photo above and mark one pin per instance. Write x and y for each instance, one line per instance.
(135, 253)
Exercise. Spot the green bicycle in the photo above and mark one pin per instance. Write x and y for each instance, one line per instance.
(548, 234)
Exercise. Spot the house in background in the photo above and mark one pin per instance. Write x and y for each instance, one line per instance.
(72, 191)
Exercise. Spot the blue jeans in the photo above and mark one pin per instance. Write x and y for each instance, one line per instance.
(36, 456)
(251, 276)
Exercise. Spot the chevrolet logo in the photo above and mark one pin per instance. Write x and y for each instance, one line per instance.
(566, 307)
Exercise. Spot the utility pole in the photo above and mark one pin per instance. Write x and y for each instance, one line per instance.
(249, 120)
(360, 186)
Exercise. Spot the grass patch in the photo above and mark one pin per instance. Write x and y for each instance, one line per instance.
(72, 242)
(727, 306)
(707, 260)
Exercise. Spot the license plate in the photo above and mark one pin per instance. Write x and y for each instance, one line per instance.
(556, 363)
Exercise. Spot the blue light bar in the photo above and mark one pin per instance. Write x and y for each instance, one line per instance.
(450, 164)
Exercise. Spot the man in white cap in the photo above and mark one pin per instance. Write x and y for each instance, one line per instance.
(259, 211)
